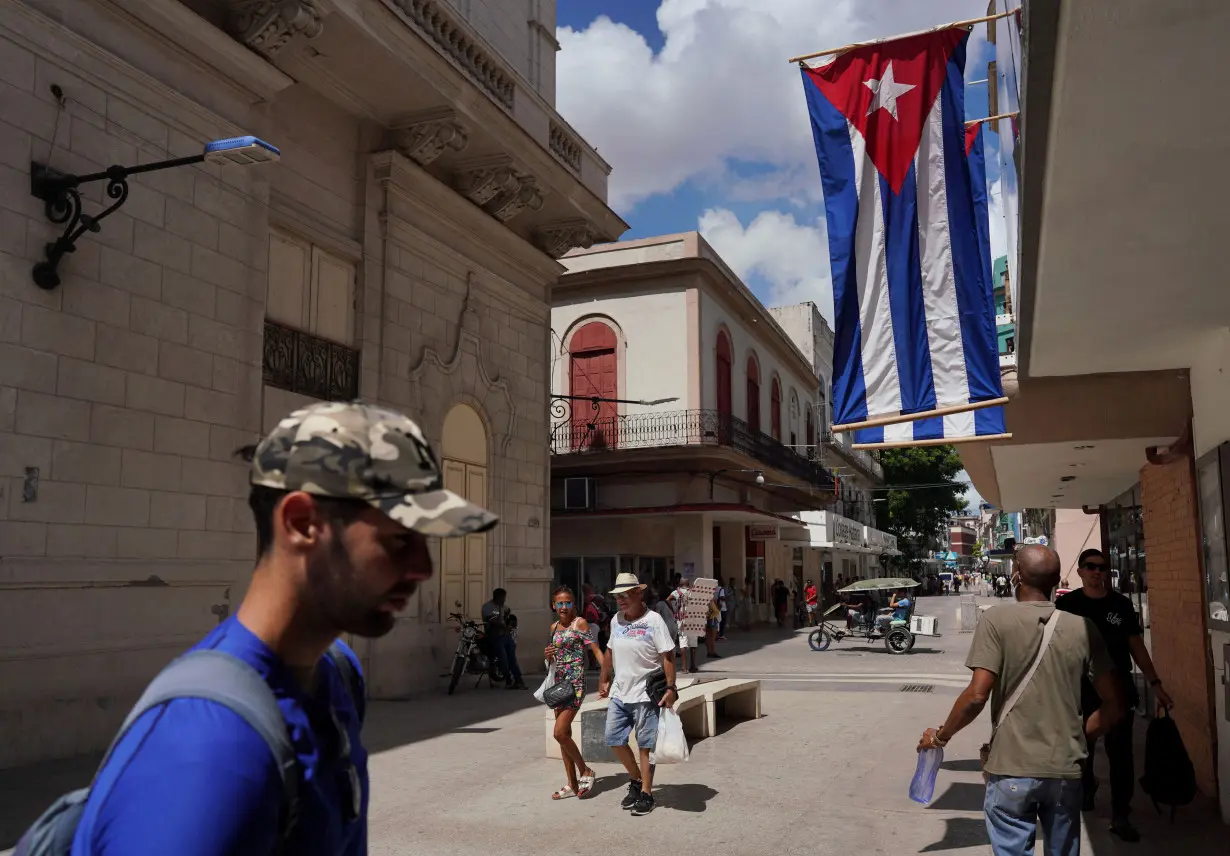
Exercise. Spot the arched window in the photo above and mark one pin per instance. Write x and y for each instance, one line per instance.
(593, 373)
(724, 362)
(753, 394)
(775, 409)
(793, 420)
(811, 435)
(823, 409)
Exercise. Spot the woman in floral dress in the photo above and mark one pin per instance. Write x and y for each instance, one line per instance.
(570, 639)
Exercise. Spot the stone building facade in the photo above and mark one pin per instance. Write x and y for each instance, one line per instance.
(402, 250)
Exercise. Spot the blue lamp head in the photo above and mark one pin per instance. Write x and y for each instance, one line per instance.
(244, 151)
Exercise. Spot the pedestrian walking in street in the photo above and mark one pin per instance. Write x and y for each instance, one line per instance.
(499, 627)
(639, 665)
(595, 611)
(781, 601)
(689, 643)
(662, 608)
(1115, 617)
(1029, 658)
(250, 743)
(812, 599)
(712, 623)
(571, 639)
(723, 602)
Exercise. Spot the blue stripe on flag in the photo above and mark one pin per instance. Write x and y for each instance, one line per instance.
(905, 295)
(970, 263)
(982, 206)
(836, 158)
(987, 421)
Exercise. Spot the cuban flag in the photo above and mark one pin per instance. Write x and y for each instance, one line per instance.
(912, 291)
(987, 423)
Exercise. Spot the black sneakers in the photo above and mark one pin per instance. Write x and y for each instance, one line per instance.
(644, 805)
(634, 794)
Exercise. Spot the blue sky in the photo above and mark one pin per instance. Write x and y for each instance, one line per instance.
(704, 123)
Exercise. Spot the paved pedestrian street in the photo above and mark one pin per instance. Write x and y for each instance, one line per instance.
(825, 771)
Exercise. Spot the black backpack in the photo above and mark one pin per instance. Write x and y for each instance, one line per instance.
(1169, 777)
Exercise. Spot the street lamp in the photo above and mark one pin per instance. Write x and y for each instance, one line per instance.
(713, 477)
(62, 201)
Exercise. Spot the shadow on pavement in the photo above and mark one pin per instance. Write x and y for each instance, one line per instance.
(961, 832)
(689, 798)
(966, 765)
(961, 796)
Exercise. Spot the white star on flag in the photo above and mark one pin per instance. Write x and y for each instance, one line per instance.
(886, 91)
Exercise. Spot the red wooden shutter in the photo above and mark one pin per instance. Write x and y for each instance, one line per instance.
(594, 373)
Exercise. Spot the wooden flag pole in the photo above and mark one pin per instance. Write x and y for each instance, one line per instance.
(854, 45)
(903, 444)
(993, 118)
(914, 417)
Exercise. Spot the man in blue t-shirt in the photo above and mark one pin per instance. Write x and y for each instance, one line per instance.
(344, 497)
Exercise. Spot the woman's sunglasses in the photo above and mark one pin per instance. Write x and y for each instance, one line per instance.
(563, 604)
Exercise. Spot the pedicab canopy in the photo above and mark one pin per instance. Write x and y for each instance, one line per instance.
(880, 585)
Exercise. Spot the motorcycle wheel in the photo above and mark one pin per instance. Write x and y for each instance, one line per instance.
(459, 666)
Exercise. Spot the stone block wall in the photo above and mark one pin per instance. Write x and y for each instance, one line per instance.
(1176, 606)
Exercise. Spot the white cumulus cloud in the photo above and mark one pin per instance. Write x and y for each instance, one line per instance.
(720, 89)
(792, 257)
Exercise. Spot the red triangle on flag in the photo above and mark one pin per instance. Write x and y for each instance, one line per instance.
(886, 91)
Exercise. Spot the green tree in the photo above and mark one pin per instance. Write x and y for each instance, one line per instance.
(917, 512)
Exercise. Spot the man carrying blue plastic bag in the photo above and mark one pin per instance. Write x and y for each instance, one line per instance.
(640, 656)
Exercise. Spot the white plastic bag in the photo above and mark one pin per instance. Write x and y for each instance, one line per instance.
(672, 745)
(547, 684)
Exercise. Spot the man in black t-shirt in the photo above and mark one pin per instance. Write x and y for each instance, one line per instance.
(1116, 618)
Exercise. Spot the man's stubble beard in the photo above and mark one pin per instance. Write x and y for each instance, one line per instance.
(334, 592)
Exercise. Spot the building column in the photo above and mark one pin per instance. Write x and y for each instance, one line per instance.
(1179, 638)
(694, 545)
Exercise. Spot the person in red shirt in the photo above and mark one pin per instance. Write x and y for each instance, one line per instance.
(812, 598)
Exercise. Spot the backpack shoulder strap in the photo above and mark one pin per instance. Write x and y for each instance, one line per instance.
(219, 677)
(1048, 633)
(350, 676)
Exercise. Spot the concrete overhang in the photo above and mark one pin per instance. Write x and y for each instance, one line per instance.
(1078, 440)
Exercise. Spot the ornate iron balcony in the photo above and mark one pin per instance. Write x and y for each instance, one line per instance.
(300, 362)
(588, 433)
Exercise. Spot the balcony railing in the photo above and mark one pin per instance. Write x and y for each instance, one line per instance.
(862, 457)
(590, 434)
(300, 362)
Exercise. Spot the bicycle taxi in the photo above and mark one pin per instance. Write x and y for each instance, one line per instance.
(876, 618)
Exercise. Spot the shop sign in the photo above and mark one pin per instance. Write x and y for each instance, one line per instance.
(762, 532)
(847, 533)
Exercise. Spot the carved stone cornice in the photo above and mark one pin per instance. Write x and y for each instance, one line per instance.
(267, 26)
(425, 136)
(508, 205)
(482, 181)
(556, 239)
(454, 41)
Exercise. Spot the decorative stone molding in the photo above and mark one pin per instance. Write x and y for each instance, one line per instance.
(267, 26)
(565, 147)
(426, 136)
(556, 239)
(508, 205)
(482, 181)
(453, 40)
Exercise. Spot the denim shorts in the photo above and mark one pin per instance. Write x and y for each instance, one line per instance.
(621, 718)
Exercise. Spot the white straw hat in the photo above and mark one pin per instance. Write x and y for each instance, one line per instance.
(625, 583)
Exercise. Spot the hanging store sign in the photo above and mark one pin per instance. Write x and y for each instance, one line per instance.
(762, 532)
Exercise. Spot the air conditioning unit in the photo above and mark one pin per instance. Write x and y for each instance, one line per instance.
(579, 494)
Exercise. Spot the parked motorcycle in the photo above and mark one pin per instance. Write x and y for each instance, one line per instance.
(473, 656)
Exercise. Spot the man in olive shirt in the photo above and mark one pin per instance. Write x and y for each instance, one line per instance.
(1034, 768)
(1115, 617)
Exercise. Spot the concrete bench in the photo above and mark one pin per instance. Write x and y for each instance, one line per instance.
(589, 727)
(733, 698)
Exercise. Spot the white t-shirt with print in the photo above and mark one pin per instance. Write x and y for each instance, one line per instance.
(636, 653)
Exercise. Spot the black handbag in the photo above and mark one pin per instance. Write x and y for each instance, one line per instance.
(559, 694)
(655, 687)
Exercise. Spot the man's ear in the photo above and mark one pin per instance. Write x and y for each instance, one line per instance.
(298, 520)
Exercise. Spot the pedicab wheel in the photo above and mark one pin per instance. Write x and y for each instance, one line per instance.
(819, 640)
(899, 641)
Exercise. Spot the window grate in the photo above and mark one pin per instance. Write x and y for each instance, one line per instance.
(917, 688)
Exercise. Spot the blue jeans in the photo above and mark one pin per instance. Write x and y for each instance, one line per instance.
(505, 650)
(621, 718)
(1017, 809)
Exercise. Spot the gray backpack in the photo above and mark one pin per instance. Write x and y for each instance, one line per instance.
(204, 674)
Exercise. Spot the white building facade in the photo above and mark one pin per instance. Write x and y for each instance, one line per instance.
(403, 250)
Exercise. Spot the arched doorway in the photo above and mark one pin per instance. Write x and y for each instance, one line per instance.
(464, 586)
(593, 373)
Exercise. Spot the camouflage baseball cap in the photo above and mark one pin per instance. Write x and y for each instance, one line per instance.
(350, 450)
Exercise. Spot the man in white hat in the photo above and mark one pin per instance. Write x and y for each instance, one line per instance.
(640, 648)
